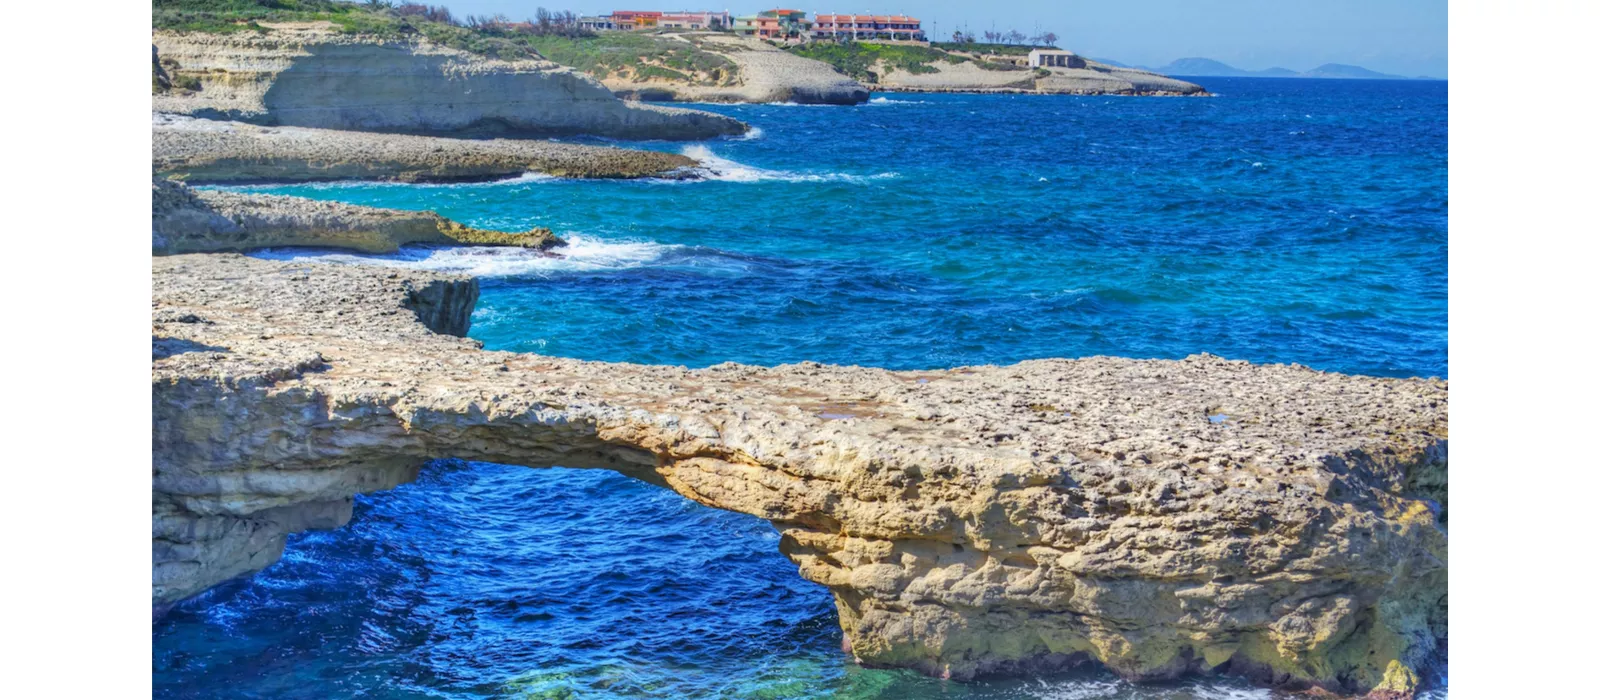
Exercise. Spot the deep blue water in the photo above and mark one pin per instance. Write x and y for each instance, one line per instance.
(1283, 221)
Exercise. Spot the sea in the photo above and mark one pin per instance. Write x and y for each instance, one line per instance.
(1281, 221)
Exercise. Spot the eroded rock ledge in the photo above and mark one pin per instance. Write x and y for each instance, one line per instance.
(967, 521)
(184, 220)
(207, 151)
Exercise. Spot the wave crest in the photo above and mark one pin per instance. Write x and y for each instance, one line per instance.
(716, 167)
(581, 254)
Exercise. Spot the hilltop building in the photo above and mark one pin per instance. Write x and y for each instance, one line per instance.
(696, 20)
(1054, 58)
(773, 24)
(635, 19)
(852, 27)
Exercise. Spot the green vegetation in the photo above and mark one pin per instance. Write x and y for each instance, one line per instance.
(988, 49)
(379, 18)
(554, 36)
(641, 56)
(226, 16)
(856, 59)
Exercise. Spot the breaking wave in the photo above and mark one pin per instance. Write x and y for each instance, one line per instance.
(715, 167)
(882, 101)
(581, 254)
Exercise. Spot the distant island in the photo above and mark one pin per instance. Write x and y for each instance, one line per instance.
(1210, 68)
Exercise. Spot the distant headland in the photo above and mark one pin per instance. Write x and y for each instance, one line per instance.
(1211, 68)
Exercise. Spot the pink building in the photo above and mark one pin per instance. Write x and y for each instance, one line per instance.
(696, 20)
(893, 27)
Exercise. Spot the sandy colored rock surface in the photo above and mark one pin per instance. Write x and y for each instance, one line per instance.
(1159, 517)
(315, 77)
(184, 220)
(766, 74)
(1095, 79)
(207, 151)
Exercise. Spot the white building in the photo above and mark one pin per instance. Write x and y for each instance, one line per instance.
(1054, 58)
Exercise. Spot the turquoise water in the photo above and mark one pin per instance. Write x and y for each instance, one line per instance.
(1283, 221)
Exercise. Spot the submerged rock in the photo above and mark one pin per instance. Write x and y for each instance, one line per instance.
(967, 521)
(189, 221)
(310, 75)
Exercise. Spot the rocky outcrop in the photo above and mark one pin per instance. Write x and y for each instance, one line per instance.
(308, 75)
(764, 73)
(206, 151)
(1094, 79)
(1159, 517)
(189, 221)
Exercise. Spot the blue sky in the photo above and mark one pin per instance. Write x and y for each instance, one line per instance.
(1406, 37)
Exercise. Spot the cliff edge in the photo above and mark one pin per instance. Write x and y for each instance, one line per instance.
(308, 74)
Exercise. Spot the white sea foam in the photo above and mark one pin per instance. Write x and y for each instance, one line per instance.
(716, 167)
(581, 254)
(881, 101)
(523, 179)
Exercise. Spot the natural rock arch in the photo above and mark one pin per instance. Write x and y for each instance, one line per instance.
(1159, 517)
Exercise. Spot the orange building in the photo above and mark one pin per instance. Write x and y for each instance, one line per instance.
(635, 19)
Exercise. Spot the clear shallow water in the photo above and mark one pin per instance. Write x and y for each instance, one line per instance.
(1285, 221)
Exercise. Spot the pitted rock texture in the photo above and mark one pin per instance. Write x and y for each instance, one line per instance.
(209, 151)
(183, 220)
(1159, 517)
(305, 75)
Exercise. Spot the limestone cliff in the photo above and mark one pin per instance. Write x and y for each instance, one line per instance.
(188, 221)
(1159, 517)
(308, 75)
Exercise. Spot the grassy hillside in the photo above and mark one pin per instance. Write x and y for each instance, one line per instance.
(857, 58)
(987, 49)
(639, 56)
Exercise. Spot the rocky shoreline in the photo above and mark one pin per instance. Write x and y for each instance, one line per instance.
(1156, 517)
(1093, 79)
(184, 220)
(1159, 518)
(207, 151)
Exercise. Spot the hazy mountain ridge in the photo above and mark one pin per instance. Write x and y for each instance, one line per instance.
(1206, 67)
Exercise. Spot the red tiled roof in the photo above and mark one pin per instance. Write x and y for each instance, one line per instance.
(896, 19)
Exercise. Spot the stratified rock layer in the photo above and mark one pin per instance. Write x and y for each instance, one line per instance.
(1159, 517)
(312, 76)
(208, 151)
(184, 220)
